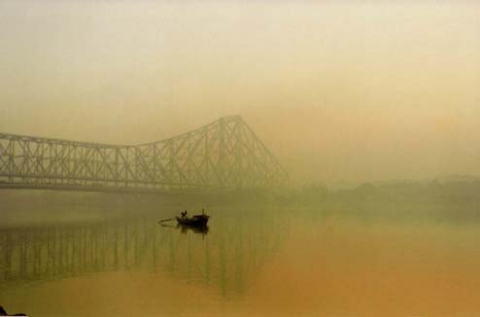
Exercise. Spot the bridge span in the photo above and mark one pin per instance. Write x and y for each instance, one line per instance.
(225, 154)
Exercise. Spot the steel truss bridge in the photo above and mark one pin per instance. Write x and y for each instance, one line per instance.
(221, 155)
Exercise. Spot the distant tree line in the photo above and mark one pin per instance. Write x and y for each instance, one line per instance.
(451, 192)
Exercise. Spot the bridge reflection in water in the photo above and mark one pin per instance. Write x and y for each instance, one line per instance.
(226, 257)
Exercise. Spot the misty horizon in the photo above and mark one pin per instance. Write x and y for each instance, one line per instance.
(334, 184)
(337, 92)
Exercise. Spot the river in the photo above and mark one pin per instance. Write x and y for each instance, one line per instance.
(74, 256)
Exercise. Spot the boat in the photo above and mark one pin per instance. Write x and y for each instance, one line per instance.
(196, 221)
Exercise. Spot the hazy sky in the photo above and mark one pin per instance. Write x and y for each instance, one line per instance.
(338, 90)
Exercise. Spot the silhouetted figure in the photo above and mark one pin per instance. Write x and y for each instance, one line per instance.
(184, 214)
(4, 313)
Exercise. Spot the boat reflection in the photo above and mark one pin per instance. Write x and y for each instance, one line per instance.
(186, 228)
(194, 229)
(226, 258)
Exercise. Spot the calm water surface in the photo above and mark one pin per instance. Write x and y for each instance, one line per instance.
(255, 262)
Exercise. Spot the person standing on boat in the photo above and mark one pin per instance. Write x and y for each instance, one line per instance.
(184, 214)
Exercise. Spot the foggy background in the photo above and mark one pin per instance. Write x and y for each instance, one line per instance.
(338, 92)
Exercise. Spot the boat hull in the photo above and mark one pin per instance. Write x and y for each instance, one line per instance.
(199, 221)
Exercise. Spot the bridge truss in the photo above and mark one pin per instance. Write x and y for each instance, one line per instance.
(223, 154)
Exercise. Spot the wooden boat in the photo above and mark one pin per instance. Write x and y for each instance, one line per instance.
(197, 221)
